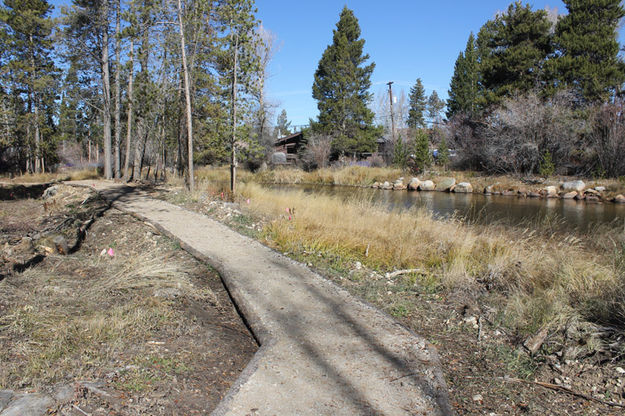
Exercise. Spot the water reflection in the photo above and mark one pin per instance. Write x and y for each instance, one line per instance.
(485, 209)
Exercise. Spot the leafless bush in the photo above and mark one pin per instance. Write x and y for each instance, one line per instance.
(463, 134)
(317, 152)
(518, 134)
(608, 137)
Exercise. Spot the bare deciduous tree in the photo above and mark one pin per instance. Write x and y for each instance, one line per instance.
(609, 138)
(317, 153)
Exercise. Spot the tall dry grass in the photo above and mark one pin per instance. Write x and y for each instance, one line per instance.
(351, 175)
(539, 278)
(74, 175)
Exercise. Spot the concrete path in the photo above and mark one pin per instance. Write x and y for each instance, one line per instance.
(323, 352)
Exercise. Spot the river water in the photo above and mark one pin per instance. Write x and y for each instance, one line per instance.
(478, 208)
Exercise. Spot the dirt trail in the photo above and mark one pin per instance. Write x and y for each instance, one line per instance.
(323, 352)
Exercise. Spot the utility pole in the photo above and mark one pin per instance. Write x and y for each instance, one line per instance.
(390, 97)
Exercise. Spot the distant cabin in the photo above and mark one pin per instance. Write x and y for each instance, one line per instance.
(290, 146)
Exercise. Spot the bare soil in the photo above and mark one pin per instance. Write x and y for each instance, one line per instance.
(487, 369)
(127, 324)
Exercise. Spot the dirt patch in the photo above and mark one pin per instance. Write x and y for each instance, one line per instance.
(129, 323)
(487, 369)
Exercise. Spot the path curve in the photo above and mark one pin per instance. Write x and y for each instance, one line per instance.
(323, 352)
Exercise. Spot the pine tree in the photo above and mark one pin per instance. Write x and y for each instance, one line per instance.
(341, 88)
(463, 91)
(87, 39)
(512, 50)
(239, 64)
(587, 42)
(29, 73)
(401, 153)
(417, 106)
(283, 125)
(434, 107)
(442, 157)
(422, 150)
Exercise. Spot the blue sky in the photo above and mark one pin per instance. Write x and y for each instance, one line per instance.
(406, 39)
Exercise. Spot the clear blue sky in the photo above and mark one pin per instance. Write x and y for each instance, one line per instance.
(406, 39)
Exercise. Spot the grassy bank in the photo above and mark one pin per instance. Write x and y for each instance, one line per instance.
(365, 176)
(531, 278)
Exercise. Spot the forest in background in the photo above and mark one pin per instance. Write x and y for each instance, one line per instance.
(154, 83)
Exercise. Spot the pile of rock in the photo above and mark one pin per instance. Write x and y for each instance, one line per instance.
(567, 190)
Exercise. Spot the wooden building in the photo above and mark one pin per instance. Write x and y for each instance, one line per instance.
(290, 145)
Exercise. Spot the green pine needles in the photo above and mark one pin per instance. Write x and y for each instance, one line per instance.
(341, 88)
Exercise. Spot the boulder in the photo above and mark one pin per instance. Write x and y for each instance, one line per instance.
(550, 191)
(509, 193)
(375, 185)
(580, 196)
(399, 185)
(619, 199)
(50, 192)
(569, 195)
(414, 184)
(591, 192)
(600, 188)
(387, 185)
(445, 184)
(427, 186)
(573, 186)
(463, 188)
(278, 158)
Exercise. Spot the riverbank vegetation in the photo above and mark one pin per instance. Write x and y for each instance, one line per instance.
(368, 176)
(534, 278)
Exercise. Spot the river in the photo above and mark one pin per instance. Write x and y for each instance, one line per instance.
(570, 215)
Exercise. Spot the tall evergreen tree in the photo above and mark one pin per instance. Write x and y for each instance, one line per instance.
(463, 91)
(513, 49)
(416, 112)
(341, 88)
(28, 72)
(434, 107)
(587, 43)
(87, 40)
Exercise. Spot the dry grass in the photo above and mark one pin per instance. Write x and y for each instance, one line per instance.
(57, 320)
(539, 278)
(75, 175)
(351, 176)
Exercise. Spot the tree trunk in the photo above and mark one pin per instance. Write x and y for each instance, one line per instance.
(106, 91)
(130, 102)
(233, 154)
(118, 125)
(32, 96)
(187, 96)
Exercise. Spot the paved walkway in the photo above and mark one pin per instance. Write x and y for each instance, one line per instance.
(323, 352)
